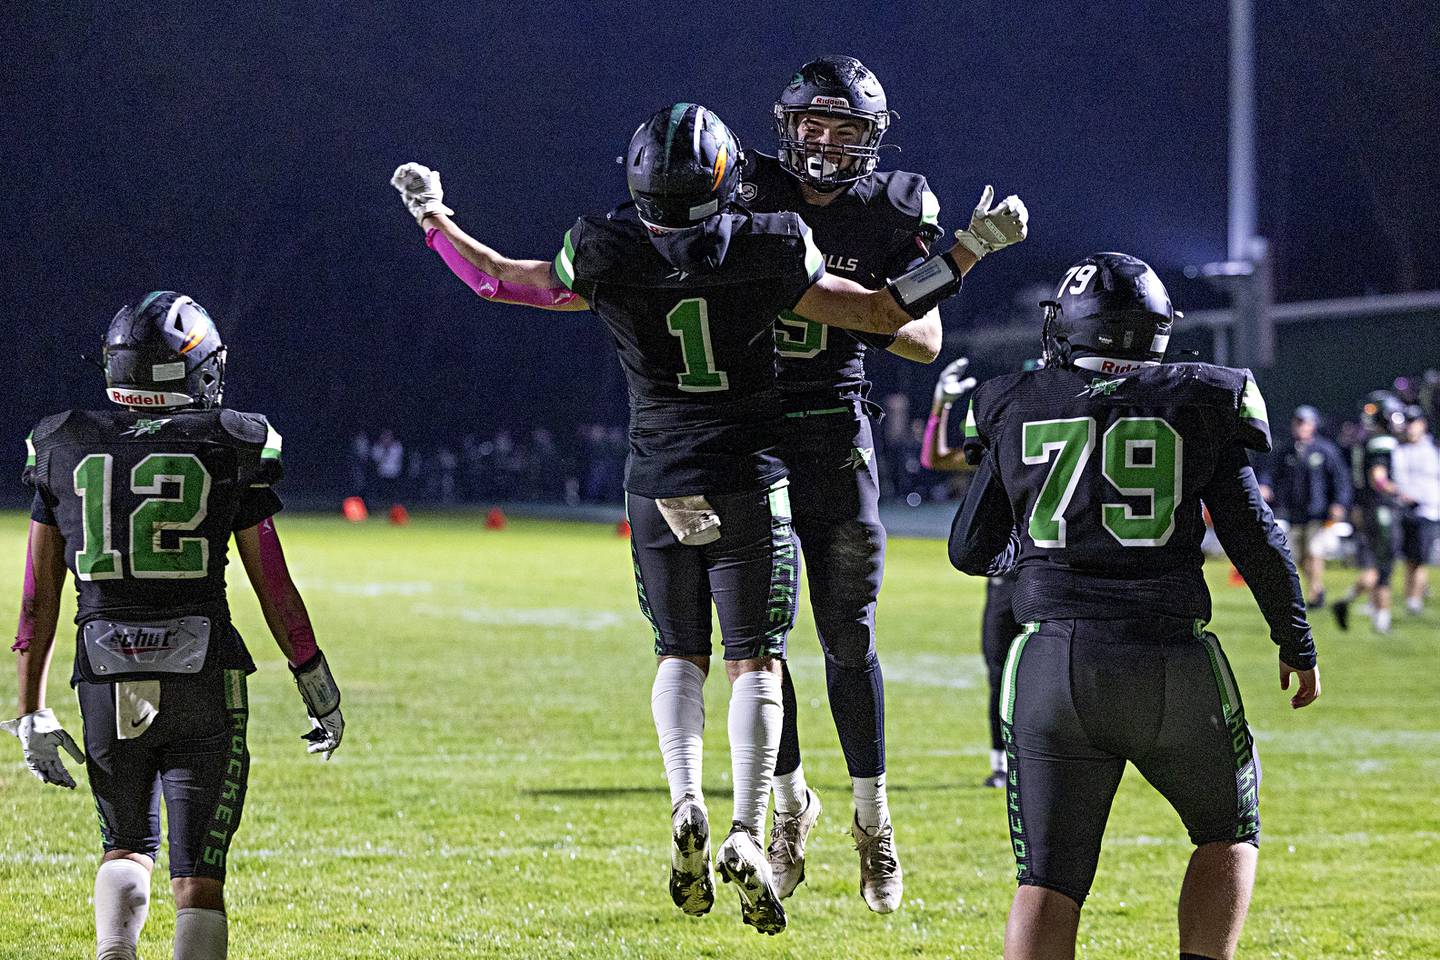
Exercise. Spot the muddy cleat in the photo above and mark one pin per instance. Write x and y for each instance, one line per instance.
(741, 861)
(691, 885)
(787, 844)
(1341, 609)
(882, 882)
(996, 779)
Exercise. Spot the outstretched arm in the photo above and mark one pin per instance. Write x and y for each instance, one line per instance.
(935, 451)
(486, 271)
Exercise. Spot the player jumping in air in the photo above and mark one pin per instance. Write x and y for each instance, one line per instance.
(689, 285)
(871, 225)
(1091, 475)
(139, 503)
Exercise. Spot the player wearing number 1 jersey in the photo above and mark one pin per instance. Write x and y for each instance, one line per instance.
(688, 284)
(140, 502)
(1092, 473)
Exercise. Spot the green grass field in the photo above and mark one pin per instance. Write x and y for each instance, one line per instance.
(499, 792)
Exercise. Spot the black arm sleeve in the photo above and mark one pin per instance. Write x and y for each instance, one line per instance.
(1340, 488)
(1256, 545)
(983, 542)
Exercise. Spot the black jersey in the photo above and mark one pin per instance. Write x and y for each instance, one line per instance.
(147, 501)
(696, 340)
(1375, 451)
(1099, 482)
(875, 230)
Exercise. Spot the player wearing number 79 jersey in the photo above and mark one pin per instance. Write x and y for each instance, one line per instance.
(1092, 473)
(140, 502)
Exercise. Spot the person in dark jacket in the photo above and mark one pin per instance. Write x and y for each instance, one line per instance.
(1307, 484)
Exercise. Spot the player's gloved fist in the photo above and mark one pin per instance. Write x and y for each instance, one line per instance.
(322, 702)
(994, 228)
(41, 738)
(420, 189)
(952, 385)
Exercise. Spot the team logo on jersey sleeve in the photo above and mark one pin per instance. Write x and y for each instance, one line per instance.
(859, 458)
(748, 192)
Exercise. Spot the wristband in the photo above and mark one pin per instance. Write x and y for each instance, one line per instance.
(923, 288)
(317, 686)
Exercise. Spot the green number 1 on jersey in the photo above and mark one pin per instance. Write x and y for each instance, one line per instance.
(690, 321)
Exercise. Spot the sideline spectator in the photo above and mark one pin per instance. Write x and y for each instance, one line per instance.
(388, 456)
(1417, 477)
(1307, 482)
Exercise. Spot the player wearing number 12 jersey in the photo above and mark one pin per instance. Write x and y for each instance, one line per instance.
(688, 284)
(1092, 472)
(140, 502)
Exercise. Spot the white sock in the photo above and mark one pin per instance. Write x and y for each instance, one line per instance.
(122, 902)
(871, 807)
(1382, 620)
(756, 714)
(1414, 605)
(789, 789)
(997, 760)
(200, 934)
(677, 702)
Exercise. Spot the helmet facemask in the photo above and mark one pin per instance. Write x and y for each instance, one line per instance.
(821, 165)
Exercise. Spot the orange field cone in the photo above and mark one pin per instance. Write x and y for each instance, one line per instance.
(495, 519)
(354, 510)
(622, 529)
(399, 515)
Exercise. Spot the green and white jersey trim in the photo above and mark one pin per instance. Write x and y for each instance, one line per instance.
(273, 443)
(565, 262)
(1252, 404)
(971, 430)
(814, 260)
(30, 449)
(1012, 666)
(929, 208)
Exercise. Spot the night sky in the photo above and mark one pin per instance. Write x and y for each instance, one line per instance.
(243, 158)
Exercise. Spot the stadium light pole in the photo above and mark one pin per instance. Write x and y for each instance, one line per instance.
(1246, 274)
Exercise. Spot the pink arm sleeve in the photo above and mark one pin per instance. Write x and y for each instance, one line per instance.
(487, 286)
(278, 585)
(932, 426)
(26, 631)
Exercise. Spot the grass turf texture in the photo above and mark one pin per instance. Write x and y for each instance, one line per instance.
(499, 791)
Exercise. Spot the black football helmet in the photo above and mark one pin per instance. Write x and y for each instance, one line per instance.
(834, 86)
(683, 165)
(165, 353)
(1108, 305)
(1382, 412)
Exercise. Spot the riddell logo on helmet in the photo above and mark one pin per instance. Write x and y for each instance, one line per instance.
(830, 102)
(1116, 366)
(146, 398)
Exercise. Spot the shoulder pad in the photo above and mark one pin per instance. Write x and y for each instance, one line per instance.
(909, 194)
(788, 231)
(248, 428)
(595, 246)
(48, 426)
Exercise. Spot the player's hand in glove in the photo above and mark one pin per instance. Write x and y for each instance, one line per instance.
(322, 702)
(994, 228)
(952, 385)
(41, 738)
(420, 189)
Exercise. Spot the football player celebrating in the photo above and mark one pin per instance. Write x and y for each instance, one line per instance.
(997, 622)
(689, 285)
(139, 503)
(872, 225)
(1091, 474)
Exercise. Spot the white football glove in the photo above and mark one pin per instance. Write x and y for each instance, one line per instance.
(322, 702)
(952, 385)
(994, 228)
(41, 738)
(420, 189)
